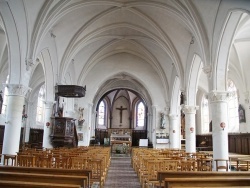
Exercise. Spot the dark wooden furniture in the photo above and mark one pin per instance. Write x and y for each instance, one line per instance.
(137, 135)
(1, 137)
(204, 142)
(36, 138)
(71, 91)
(100, 134)
(237, 142)
(63, 132)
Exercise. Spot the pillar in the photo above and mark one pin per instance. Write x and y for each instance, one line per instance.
(152, 129)
(174, 132)
(219, 109)
(48, 109)
(190, 126)
(13, 123)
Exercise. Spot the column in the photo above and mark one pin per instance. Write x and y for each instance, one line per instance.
(219, 109)
(190, 135)
(174, 132)
(13, 123)
(25, 125)
(152, 128)
(48, 110)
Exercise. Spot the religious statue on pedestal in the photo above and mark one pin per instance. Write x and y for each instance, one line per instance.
(163, 121)
(80, 119)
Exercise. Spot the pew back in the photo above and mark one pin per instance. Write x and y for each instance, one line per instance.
(208, 182)
(21, 184)
(162, 175)
(51, 171)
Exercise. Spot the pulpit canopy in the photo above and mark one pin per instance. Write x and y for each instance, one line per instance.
(71, 91)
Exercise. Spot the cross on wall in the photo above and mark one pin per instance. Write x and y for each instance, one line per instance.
(121, 109)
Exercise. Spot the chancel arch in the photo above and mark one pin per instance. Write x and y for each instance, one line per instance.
(118, 110)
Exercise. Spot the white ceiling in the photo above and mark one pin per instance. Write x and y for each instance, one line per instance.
(158, 32)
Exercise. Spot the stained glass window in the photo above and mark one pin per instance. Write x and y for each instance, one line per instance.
(5, 97)
(101, 113)
(140, 114)
(40, 103)
(233, 107)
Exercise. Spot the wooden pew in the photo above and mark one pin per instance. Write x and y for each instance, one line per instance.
(52, 171)
(207, 182)
(21, 184)
(45, 178)
(162, 175)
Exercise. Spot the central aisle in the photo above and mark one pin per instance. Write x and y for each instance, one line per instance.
(121, 174)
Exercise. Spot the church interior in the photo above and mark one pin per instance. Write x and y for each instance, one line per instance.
(125, 79)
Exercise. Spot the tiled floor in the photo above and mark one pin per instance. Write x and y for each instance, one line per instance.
(121, 174)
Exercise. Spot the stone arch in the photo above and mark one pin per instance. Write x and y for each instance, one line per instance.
(130, 83)
(223, 50)
(193, 80)
(14, 51)
(46, 61)
(127, 82)
(175, 99)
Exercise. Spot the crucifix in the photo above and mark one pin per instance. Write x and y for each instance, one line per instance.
(121, 109)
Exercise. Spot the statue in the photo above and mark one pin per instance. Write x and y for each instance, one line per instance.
(24, 115)
(163, 121)
(80, 119)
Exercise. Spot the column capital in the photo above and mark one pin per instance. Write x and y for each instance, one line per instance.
(190, 109)
(216, 96)
(17, 89)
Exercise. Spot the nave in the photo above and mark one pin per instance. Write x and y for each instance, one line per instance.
(97, 167)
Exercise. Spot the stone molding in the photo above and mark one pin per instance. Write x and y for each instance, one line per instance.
(17, 89)
(190, 109)
(220, 96)
(29, 63)
(207, 70)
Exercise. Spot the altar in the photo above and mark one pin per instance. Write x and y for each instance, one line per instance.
(120, 142)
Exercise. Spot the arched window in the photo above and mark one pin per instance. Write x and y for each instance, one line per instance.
(140, 114)
(101, 113)
(40, 104)
(233, 107)
(5, 97)
(205, 115)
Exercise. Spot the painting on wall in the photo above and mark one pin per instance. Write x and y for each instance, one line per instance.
(80, 136)
(242, 117)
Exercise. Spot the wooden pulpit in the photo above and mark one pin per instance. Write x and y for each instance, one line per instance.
(63, 132)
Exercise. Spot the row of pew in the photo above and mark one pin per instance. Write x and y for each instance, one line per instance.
(176, 168)
(62, 167)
